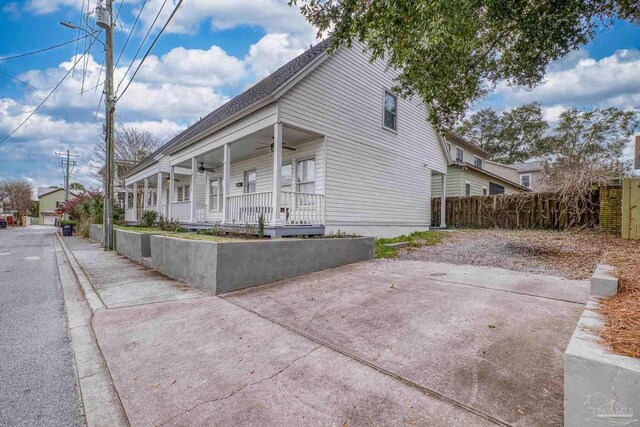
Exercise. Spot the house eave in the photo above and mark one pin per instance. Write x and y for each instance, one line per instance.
(465, 165)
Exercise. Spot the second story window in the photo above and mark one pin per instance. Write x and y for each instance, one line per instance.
(525, 180)
(390, 111)
(459, 154)
(477, 161)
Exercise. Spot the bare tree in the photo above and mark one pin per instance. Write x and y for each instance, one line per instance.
(131, 146)
(20, 195)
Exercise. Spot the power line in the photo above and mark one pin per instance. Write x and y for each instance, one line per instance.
(6, 58)
(18, 80)
(151, 47)
(130, 32)
(142, 44)
(47, 97)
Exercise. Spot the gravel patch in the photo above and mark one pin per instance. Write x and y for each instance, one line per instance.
(570, 254)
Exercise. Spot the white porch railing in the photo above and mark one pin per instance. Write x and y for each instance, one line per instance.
(182, 212)
(296, 208)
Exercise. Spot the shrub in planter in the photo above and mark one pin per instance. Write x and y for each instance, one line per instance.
(148, 218)
(170, 224)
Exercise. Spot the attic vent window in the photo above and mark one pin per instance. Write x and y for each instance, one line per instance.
(390, 111)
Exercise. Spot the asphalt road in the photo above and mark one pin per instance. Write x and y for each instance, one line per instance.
(38, 384)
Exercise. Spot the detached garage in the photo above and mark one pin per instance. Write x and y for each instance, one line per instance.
(50, 199)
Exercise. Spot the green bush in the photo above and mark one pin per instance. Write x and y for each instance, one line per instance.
(148, 218)
(170, 224)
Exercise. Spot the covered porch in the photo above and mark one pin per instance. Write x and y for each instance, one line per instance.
(275, 173)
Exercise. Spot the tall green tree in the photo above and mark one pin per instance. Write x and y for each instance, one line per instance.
(513, 136)
(451, 53)
(594, 138)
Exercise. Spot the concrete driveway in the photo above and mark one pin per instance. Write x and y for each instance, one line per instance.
(481, 339)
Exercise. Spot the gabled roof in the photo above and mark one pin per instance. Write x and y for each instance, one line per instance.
(258, 92)
(534, 165)
(458, 139)
(44, 191)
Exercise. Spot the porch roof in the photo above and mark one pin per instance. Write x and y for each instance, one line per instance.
(258, 92)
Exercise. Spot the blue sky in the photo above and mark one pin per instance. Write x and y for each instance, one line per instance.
(213, 50)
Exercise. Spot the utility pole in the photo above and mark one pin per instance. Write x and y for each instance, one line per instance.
(104, 19)
(68, 162)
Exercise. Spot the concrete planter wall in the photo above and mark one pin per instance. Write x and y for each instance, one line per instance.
(96, 233)
(593, 377)
(132, 245)
(228, 266)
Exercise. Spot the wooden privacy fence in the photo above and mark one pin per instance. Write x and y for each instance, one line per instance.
(520, 210)
(631, 208)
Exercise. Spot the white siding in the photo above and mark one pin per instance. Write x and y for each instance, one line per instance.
(263, 165)
(374, 177)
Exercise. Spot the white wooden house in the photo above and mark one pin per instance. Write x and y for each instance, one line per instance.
(321, 145)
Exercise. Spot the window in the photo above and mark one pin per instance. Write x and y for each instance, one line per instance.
(306, 176)
(525, 180)
(449, 147)
(215, 194)
(149, 197)
(390, 120)
(129, 200)
(477, 161)
(286, 177)
(467, 188)
(495, 189)
(180, 194)
(250, 179)
(187, 193)
(154, 197)
(459, 154)
(484, 191)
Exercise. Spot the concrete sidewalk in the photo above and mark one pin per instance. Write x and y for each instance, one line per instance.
(183, 357)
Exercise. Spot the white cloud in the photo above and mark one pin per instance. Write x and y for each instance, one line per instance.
(581, 80)
(270, 52)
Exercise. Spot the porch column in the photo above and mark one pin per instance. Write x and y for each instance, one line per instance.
(126, 199)
(277, 174)
(135, 201)
(194, 177)
(172, 175)
(146, 194)
(443, 201)
(159, 196)
(226, 182)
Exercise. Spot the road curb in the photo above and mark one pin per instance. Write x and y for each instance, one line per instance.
(100, 400)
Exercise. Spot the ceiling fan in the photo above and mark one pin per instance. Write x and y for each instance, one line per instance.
(286, 147)
(201, 168)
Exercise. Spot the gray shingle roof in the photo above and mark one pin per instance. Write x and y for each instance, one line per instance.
(261, 90)
(527, 166)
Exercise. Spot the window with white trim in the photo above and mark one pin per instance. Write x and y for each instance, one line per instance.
(286, 176)
(187, 193)
(525, 180)
(484, 191)
(459, 154)
(477, 161)
(215, 194)
(180, 194)
(306, 176)
(467, 188)
(250, 178)
(390, 120)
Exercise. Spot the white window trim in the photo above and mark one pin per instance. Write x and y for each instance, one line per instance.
(462, 151)
(475, 163)
(384, 95)
(522, 176)
(465, 188)
(295, 173)
(485, 191)
(245, 181)
(219, 179)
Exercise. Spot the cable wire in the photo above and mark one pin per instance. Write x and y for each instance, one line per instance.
(6, 58)
(18, 80)
(142, 44)
(150, 48)
(130, 33)
(47, 97)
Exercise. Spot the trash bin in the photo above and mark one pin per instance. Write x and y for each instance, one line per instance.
(67, 230)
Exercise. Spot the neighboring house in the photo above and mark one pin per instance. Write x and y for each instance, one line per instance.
(122, 166)
(320, 145)
(529, 173)
(469, 173)
(50, 199)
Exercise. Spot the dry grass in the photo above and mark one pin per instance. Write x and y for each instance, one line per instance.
(622, 311)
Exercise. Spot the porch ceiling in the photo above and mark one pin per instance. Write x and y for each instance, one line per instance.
(251, 146)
